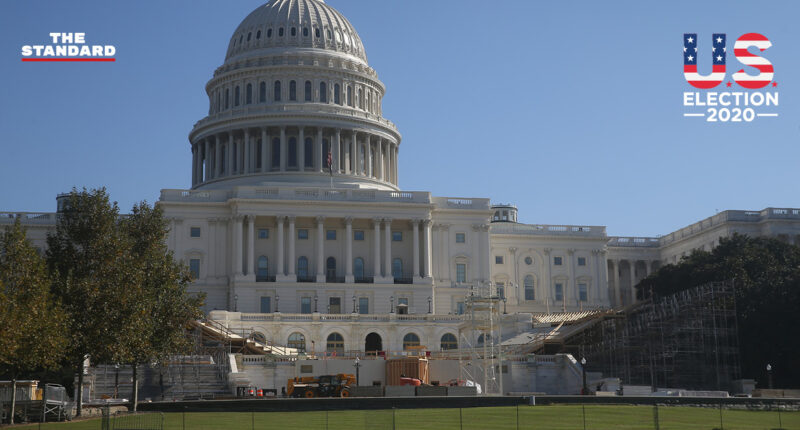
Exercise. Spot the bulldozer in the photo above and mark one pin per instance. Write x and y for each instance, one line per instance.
(323, 386)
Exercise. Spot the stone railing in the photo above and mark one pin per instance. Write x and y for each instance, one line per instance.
(461, 203)
(731, 216)
(341, 317)
(28, 218)
(635, 242)
(548, 230)
(314, 194)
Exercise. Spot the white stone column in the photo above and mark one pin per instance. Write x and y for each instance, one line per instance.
(387, 223)
(632, 292)
(617, 290)
(427, 249)
(237, 246)
(573, 286)
(301, 150)
(248, 158)
(264, 150)
(280, 251)
(217, 156)
(377, 251)
(284, 152)
(649, 264)
(368, 154)
(548, 282)
(348, 254)
(379, 173)
(320, 156)
(394, 167)
(337, 151)
(229, 158)
(206, 160)
(320, 248)
(292, 258)
(356, 166)
(251, 247)
(602, 283)
(194, 165)
(415, 248)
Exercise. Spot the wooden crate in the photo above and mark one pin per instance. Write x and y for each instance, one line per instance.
(412, 367)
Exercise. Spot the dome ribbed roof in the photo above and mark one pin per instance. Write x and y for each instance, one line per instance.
(292, 24)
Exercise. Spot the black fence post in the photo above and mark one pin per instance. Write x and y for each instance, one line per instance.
(780, 421)
(393, 423)
(721, 425)
(583, 408)
(517, 416)
(656, 424)
(253, 420)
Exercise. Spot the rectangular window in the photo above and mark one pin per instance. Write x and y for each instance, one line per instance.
(194, 231)
(194, 268)
(358, 235)
(501, 289)
(397, 236)
(266, 305)
(305, 305)
(498, 259)
(557, 261)
(559, 292)
(583, 292)
(363, 305)
(302, 234)
(461, 273)
(530, 294)
(581, 261)
(330, 235)
(335, 305)
(461, 238)
(263, 233)
(460, 308)
(402, 306)
(306, 368)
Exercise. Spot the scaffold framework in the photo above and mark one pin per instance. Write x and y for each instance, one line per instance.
(480, 336)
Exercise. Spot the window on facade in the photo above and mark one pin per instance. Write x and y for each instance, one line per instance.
(316, 32)
(337, 97)
(305, 31)
(194, 268)
(449, 342)
(308, 94)
(308, 153)
(292, 162)
(294, 31)
(484, 338)
(461, 238)
(583, 292)
(194, 232)
(302, 234)
(262, 269)
(559, 292)
(557, 261)
(227, 98)
(397, 268)
(363, 305)
(460, 308)
(397, 236)
(259, 154)
(258, 34)
(302, 267)
(498, 259)
(358, 268)
(236, 96)
(358, 235)
(362, 159)
(249, 94)
(501, 289)
(276, 96)
(266, 305)
(305, 305)
(297, 341)
(323, 92)
(349, 96)
(461, 272)
(328, 33)
(293, 91)
(581, 261)
(530, 293)
(249, 36)
(361, 99)
(335, 343)
(280, 32)
(334, 305)
(330, 267)
(262, 92)
(528, 261)
(330, 235)
(410, 340)
(276, 152)
(269, 32)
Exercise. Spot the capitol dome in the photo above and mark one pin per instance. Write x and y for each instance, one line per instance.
(292, 24)
(295, 103)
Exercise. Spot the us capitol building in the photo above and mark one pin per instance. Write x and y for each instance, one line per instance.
(296, 229)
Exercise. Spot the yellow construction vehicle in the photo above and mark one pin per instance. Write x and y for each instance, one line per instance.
(324, 386)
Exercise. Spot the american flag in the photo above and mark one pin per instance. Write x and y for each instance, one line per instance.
(748, 59)
(690, 53)
(330, 161)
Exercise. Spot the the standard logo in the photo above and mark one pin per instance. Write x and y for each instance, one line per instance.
(733, 105)
(68, 47)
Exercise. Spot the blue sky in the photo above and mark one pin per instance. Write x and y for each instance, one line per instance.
(571, 109)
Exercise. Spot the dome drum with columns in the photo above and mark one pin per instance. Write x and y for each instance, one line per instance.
(295, 87)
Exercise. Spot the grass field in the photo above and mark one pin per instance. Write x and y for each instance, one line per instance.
(504, 418)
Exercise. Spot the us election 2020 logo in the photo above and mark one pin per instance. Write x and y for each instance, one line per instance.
(747, 95)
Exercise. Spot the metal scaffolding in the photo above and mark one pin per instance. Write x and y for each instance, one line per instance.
(480, 336)
(686, 340)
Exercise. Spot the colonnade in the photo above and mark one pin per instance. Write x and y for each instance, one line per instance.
(294, 149)
(615, 268)
(286, 255)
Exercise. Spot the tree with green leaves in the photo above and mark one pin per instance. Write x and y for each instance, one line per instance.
(766, 273)
(34, 330)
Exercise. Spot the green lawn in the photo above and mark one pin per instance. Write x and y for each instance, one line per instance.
(530, 417)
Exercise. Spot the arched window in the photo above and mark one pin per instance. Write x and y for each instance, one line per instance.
(361, 99)
(249, 95)
(308, 94)
(328, 33)
(236, 96)
(397, 268)
(293, 91)
(316, 32)
(280, 32)
(259, 154)
(258, 35)
(323, 92)
(349, 96)
(305, 31)
(302, 267)
(410, 340)
(330, 267)
(308, 153)
(358, 268)
(335, 343)
(249, 35)
(294, 31)
(227, 97)
(292, 162)
(297, 341)
(337, 97)
(258, 337)
(277, 91)
(262, 93)
(530, 293)
(276, 152)
(263, 269)
(269, 32)
(241, 38)
(481, 338)
(369, 101)
(449, 342)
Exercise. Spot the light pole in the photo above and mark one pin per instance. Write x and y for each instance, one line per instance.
(583, 367)
(354, 304)
(504, 306)
(315, 302)
(769, 375)
(277, 303)
(391, 304)
(357, 365)
(430, 301)
(236, 303)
